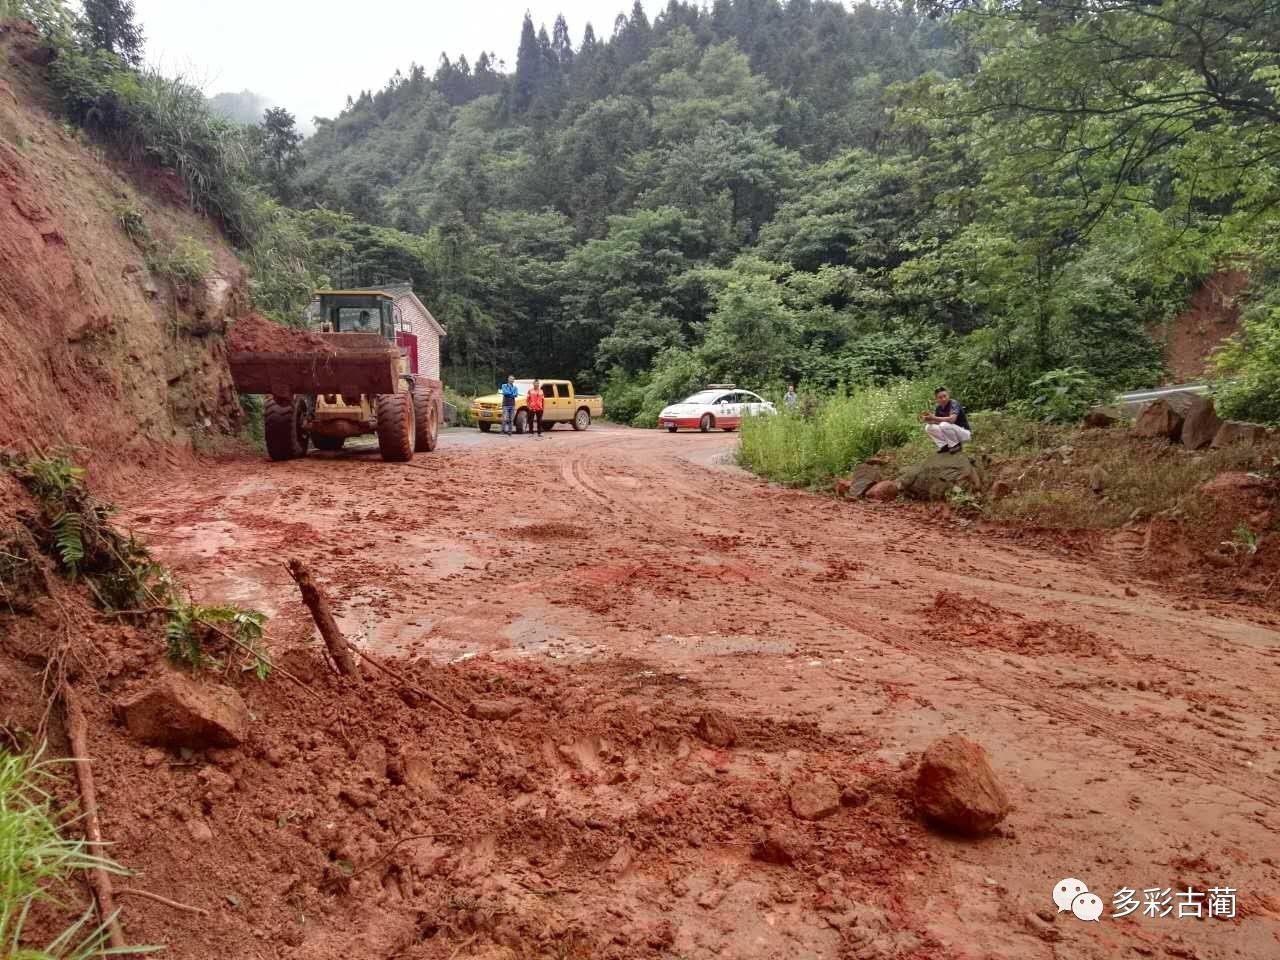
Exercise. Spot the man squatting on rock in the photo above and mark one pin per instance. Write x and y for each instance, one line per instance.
(947, 426)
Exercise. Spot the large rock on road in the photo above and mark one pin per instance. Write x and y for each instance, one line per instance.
(176, 711)
(957, 789)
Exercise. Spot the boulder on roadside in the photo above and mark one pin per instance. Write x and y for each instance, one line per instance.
(933, 478)
(176, 711)
(1236, 431)
(883, 491)
(717, 729)
(1159, 420)
(1200, 424)
(814, 799)
(1103, 416)
(1097, 478)
(957, 788)
(842, 488)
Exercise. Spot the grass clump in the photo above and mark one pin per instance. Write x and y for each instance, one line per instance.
(842, 432)
(37, 863)
(186, 262)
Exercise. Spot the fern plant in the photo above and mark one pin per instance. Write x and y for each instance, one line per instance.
(191, 641)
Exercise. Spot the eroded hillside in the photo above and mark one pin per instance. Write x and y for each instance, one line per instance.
(101, 346)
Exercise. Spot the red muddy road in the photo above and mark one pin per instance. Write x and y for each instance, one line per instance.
(1136, 731)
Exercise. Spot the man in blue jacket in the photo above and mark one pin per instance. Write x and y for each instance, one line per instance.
(509, 392)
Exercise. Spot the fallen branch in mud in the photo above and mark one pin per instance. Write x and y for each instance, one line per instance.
(99, 879)
(148, 895)
(402, 681)
(339, 648)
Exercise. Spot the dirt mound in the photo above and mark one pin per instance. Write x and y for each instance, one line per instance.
(95, 350)
(258, 334)
(971, 622)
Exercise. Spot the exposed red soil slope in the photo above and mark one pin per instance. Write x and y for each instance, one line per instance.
(94, 351)
(1212, 315)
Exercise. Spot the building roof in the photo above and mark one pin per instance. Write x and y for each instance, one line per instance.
(407, 300)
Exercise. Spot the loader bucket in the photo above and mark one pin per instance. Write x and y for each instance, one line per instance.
(357, 364)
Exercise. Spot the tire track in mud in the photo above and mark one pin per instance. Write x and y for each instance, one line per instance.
(581, 471)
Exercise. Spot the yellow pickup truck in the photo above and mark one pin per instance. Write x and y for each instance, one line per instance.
(562, 405)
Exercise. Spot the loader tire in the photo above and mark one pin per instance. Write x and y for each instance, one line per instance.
(395, 427)
(283, 428)
(426, 419)
(323, 442)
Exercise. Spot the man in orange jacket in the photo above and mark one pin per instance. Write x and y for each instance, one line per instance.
(533, 403)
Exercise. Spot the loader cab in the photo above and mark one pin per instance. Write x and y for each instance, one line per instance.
(351, 311)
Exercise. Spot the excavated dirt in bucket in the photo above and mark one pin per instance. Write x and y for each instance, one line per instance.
(258, 334)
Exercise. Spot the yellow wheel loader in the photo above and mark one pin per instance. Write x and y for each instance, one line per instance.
(355, 380)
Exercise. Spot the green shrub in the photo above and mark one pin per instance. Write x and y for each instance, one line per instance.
(623, 395)
(186, 262)
(1060, 396)
(463, 406)
(841, 433)
(167, 122)
(1251, 361)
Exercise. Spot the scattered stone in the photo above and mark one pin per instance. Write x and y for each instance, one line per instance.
(814, 799)
(1130, 592)
(883, 491)
(777, 848)
(854, 796)
(1235, 431)
(1100, 418)
(1143, 685)
(717, 729)
(1042, 929)
(176, 711)
(199, 830)
(1097, 478)
(1001, 489)
(1200, 424)
(494, 709)
(373, 757)
(933, 478)
(842, 488)
(957, 788)
(416, 771)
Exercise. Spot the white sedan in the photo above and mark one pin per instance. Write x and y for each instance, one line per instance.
(715, 409)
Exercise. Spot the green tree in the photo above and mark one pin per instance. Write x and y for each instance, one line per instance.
(110, 25)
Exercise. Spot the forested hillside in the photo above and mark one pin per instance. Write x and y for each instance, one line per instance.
(1005, 197)
(762, 191)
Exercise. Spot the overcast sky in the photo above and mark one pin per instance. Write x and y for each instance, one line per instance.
(309, 54)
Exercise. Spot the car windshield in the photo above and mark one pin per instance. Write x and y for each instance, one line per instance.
(704, 396)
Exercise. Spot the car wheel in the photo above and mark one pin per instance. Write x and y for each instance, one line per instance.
(671, 429)
(582, 419)
(705, 423)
